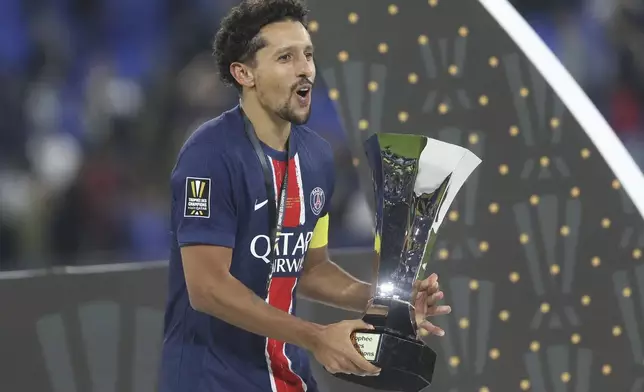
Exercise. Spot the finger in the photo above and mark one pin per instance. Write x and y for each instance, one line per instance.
(365, 366)
(358, 324)
(426, 283)
(351, 368)
(431, 328)
(439, 310)
(434, 298)
(332, 369)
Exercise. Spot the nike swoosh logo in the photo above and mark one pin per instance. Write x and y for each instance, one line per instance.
(260, 205)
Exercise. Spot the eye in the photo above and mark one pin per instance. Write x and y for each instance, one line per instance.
(284, 57)
(309, 56)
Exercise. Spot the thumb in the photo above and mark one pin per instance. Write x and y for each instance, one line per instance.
(359, 324)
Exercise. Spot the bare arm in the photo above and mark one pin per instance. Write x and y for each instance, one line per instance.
(326, 282)
(213, 290)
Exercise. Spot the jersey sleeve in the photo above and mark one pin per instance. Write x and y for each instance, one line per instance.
(320, 235)
(203, 190)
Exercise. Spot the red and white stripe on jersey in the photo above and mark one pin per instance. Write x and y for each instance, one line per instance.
(281, 288)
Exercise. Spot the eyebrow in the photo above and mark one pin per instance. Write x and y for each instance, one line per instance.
(308, 48)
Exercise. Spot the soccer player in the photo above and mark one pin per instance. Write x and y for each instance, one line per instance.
(250, 175)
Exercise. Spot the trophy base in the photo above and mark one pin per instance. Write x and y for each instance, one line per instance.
(407, 365)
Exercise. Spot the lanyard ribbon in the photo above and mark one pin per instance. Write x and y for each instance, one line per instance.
(275, 212)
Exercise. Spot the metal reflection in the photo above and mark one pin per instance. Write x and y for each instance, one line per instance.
(413, 187)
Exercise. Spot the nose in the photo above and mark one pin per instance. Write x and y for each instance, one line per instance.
(306, 69)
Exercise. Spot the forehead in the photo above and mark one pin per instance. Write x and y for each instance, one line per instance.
(285, 34)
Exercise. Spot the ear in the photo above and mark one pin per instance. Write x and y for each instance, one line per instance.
(243, 74)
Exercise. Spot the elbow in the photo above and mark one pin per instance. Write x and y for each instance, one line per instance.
(198, 303)
(201, 298)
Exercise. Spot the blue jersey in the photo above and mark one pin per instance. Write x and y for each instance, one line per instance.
(219, 198)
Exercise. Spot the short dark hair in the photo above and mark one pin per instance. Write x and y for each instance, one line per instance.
(238, 39)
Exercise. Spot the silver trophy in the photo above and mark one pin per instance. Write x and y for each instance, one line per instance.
(415, 180)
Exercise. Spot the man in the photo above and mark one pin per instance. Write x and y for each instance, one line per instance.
(230, 324)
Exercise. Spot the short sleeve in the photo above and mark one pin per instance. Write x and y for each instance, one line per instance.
(203, 190)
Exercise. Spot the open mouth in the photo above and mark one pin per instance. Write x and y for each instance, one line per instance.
(303, 91)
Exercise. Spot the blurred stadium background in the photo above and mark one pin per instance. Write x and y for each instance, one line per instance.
(96, 98)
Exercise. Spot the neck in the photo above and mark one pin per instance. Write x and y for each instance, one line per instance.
(270, 129)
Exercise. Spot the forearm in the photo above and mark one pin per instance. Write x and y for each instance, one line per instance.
(229, 300)
(328, 283)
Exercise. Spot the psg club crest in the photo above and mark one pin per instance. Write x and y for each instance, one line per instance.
(317, 200)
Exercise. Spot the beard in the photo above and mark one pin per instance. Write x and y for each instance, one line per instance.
(286, 113)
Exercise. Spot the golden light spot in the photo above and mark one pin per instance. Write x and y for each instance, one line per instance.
(343, 56)
(514, 130)
(617, 330)
(525, 385)
(474, 284)
(606, 370)
(372, 86)
(403, 117)
(453, 216)
(514, 277)
(616, 184)
(554, 269)
(363, 124)
(544, 161)
(464, 323)
(574, 192)
(637, 253)
(524, 92)
(554, 122)
(453, 69)
(564, 231)
(495, 353)
(412, 78)
(524, 238)
(504, 315)
(422, 39)
(535, 346)
(314, 26)
(454, 361)
(605, 223)
(443, 108)
(463, 31)
(545, 307)
(494, 208)
(353, 18)
(356, 162)
(432, 3)
(575, 338)
(383, 48)
(503, 169)
(585, 153)
(585, 300)
(494, 62)
(534, 200)
(627, 292)
(565, 377)
(595, 261)
(484, 246)
(484, 389)
(392, 9)
(443, 254)
(483, 100)
(474, 138)
(334, 94)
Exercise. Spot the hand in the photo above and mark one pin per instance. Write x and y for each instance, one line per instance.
(335, 351)
(426, 305)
